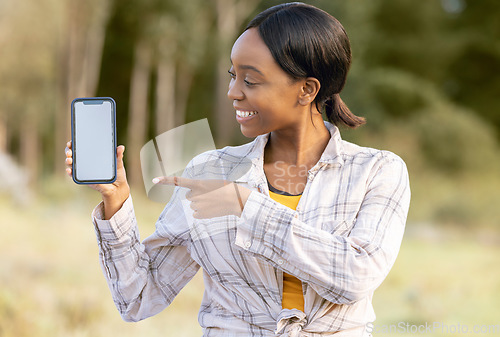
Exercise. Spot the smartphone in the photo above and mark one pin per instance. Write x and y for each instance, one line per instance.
(93, 136)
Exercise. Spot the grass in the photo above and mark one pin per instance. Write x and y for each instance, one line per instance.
(51, 283)
(448, 282)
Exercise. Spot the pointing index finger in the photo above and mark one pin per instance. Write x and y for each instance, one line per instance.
(177, 181)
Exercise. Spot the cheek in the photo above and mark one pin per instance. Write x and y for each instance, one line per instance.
(286, 95)
(274, 101)
(276, 104)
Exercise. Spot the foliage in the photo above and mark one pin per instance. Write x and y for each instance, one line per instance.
(422, 74)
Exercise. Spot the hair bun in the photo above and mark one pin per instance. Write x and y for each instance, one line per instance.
(338, 113)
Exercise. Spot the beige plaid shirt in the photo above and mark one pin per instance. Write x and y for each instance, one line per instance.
(341, 242)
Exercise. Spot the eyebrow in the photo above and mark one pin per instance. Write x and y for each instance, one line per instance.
(249, 67)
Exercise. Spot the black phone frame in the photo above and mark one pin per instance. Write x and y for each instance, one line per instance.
(73, 146)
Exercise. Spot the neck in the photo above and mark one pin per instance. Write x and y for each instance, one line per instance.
(298, 145)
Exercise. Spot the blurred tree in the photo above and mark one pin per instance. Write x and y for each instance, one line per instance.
(422, 74)
(27, 79)
(230, 15)
(165, 42)
(138, 108)
(81, 36)
(470, 73)
(3, 134)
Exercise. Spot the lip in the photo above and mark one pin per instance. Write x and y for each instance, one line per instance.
(244, 119)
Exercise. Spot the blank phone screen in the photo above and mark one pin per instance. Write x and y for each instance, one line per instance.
(94, 149)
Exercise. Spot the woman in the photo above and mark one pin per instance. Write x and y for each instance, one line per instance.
(297, 245)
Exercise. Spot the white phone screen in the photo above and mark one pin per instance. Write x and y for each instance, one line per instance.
(94, 149)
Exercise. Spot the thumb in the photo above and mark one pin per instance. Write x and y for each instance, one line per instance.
(119, 155)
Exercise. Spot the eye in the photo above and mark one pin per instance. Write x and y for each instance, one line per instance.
(233, 76)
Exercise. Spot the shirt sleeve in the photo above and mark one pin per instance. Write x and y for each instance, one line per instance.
(341, 269)
(144, 277)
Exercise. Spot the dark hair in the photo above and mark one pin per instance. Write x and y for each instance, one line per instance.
(308, 42)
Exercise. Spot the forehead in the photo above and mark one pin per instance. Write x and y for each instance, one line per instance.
(250, 49)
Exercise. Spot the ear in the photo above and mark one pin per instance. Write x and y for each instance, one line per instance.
(309, 90)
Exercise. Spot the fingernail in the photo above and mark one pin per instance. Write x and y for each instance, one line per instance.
(156, 181)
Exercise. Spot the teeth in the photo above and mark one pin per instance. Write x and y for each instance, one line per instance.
(245, 113)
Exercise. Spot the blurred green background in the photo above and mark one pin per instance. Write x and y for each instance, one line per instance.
(424, 74)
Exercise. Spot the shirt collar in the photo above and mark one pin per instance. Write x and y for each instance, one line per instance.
(330, 156)
(334, 149)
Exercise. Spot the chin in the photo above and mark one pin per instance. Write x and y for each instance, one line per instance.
(250, 133)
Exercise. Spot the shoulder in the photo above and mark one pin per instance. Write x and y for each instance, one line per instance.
(360, 155)
(382, 170)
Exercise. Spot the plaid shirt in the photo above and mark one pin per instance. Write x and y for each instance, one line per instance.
(341, 242)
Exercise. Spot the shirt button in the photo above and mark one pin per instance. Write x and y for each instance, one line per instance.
(248, 244)
(296, 215)
(280, 262)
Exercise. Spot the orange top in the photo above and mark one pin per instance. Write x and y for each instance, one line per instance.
(292, 286)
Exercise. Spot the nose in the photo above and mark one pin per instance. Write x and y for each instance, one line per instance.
(234, 92)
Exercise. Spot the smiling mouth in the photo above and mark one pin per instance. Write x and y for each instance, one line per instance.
(243, 114)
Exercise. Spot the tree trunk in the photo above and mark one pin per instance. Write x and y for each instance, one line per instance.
(226, 25)
(138, 113)
(94, 45)
(67, 65)
(79, 57)
(183, 85)
(3, 134)
(30, 149)
(165, 95)
(229, 14)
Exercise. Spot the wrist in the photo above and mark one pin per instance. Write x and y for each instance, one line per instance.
(113, 203)
(116, 194)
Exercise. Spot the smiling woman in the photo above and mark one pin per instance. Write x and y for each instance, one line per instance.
(297, 244)
(307, 42)
(264, 96)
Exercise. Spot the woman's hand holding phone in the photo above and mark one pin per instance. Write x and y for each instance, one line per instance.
(114, 194)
